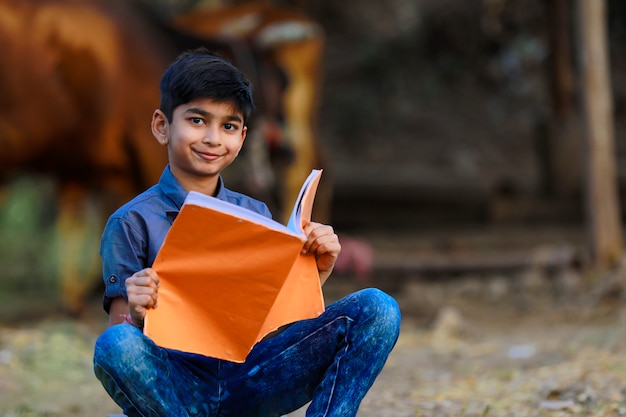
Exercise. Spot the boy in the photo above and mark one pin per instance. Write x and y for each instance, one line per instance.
(330, 361)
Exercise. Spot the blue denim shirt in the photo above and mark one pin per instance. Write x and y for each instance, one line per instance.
(135, 232)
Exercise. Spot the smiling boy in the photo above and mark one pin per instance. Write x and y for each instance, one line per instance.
(330, 361)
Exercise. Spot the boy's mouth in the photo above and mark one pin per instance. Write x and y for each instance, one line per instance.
(208, 156)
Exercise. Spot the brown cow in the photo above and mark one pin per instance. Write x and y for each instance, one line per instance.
(78, 84)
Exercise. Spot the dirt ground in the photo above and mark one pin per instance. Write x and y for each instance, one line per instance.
(521, 344)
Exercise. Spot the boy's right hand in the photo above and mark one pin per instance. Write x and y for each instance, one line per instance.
(142, 289)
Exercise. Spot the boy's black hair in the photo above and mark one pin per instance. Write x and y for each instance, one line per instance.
(201, 74)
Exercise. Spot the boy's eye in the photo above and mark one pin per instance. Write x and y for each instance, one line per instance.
(230, 126)
(196, 120)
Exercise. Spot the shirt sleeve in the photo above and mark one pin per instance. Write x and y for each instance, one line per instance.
(123, 252)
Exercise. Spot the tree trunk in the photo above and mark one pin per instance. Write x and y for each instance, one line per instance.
(601, 180)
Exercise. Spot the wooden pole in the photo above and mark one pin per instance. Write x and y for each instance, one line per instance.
(601, 180)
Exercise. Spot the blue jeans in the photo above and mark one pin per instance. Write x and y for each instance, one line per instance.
(330, 361)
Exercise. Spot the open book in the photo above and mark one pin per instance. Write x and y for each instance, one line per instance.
(230, 276)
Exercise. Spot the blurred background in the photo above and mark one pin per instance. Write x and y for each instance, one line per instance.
(473, 167)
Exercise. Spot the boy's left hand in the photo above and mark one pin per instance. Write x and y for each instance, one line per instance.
(323, 243)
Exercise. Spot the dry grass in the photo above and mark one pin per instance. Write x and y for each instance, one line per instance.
(487, 358)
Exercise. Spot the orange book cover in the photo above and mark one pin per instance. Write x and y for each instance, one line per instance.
(230, 276)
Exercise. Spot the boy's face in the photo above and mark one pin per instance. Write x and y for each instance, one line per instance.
(202, 139)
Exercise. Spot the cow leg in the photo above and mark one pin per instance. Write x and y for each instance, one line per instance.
(301, 62)
(77, 235)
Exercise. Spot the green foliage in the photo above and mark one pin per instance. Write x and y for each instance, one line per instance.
(26, 210)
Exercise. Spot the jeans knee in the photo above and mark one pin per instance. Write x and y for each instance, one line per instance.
(115, 343)
(384, 310)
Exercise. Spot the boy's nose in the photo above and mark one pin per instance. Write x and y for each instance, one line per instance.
(211, 136)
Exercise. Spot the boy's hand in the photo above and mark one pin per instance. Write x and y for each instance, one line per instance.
(323, 243)
(142, 289)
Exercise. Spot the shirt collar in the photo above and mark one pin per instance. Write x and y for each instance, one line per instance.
(177, 194)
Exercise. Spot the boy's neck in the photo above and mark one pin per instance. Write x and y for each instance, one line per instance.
(206, 185)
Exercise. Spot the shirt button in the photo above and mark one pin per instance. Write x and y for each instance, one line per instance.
(112, 279)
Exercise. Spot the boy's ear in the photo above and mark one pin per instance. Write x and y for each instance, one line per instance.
(244, 132)
(160, 127)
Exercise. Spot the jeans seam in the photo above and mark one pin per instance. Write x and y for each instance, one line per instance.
(332, 390)
(340, 357)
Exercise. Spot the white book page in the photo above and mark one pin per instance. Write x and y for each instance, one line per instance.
(295, 223)
(204, 200)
